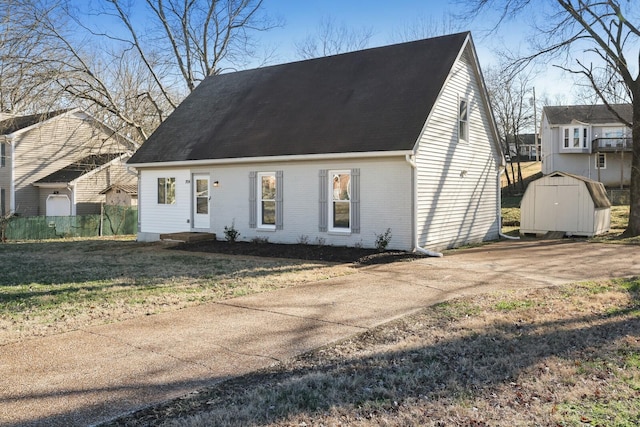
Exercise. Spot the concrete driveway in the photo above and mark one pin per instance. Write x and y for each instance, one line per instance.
(89, 376)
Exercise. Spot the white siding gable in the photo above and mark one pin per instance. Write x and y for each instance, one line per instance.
(457, 181)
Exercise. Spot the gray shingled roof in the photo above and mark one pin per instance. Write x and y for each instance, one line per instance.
(367, 101)
(14, 124)
(594, 114)
(76, 169)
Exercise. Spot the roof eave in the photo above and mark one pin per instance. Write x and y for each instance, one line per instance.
(274, 159)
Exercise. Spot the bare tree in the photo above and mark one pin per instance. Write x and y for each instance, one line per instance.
(137, 60)
(513, 113)
(25, 86)
(332, 38)
(600, 42)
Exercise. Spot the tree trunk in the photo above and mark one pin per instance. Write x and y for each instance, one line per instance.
(633, 229)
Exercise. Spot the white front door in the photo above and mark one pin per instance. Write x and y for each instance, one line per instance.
(201, 201)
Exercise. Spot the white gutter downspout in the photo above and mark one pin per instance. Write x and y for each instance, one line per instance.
(416, 247)
(501, 170)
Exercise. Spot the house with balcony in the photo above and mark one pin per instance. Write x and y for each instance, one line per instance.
(588, 140)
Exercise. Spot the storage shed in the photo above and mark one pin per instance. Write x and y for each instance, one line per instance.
(561, 202)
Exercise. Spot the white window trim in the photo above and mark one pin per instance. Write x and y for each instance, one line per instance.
(462, 99)
(260, 225)
(583, 139)
(166, 178)
(604, 157)
(331, 228)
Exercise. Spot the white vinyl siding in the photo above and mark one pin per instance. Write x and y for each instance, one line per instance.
(50, 146)
(385, 202)
(456, 183)
(165, 218)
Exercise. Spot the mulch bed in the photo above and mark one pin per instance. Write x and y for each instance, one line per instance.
(341, 254)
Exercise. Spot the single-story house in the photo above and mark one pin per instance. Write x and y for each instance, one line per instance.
(334, 150)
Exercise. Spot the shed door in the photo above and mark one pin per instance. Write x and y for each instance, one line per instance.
(556, 207)
(201, 201)
(58, 205)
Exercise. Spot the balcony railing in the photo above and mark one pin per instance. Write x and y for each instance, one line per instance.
(611, 144)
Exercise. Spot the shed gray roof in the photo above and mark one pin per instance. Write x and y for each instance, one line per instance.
(372, 100)
(596, 189)
(594, 114)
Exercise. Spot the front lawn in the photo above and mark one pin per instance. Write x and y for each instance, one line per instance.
(56, 286)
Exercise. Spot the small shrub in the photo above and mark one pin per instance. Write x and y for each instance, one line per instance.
(320, 241)
(382, 240)
(260, 240)
(303, 239)
(358, 244)
(231, 234)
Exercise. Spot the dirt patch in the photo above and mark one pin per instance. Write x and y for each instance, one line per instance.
(360, 256)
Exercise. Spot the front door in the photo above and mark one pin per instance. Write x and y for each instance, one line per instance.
(201, 201)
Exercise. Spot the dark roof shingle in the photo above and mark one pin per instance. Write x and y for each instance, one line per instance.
(14, 124)
(76, 169)
(594, 114)
(367, 101)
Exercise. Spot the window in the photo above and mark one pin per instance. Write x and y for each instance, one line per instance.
(340, 207)
(267, 200)
(601, 161)
(463, 121)
(614, 137)
(3, 207)
(3, 155)
(575, 137)
(166, 191)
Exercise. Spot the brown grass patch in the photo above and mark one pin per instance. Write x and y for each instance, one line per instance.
(58, 286)
(567, 356)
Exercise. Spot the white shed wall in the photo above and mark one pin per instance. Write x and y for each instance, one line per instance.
(457, 181)
(559, 203)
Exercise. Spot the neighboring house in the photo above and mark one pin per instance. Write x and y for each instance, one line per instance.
(333, 150)
(58, 162)
(75, 189)
(587, 140)
(527, 148)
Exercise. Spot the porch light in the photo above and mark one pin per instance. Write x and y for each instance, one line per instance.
(216, 184)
